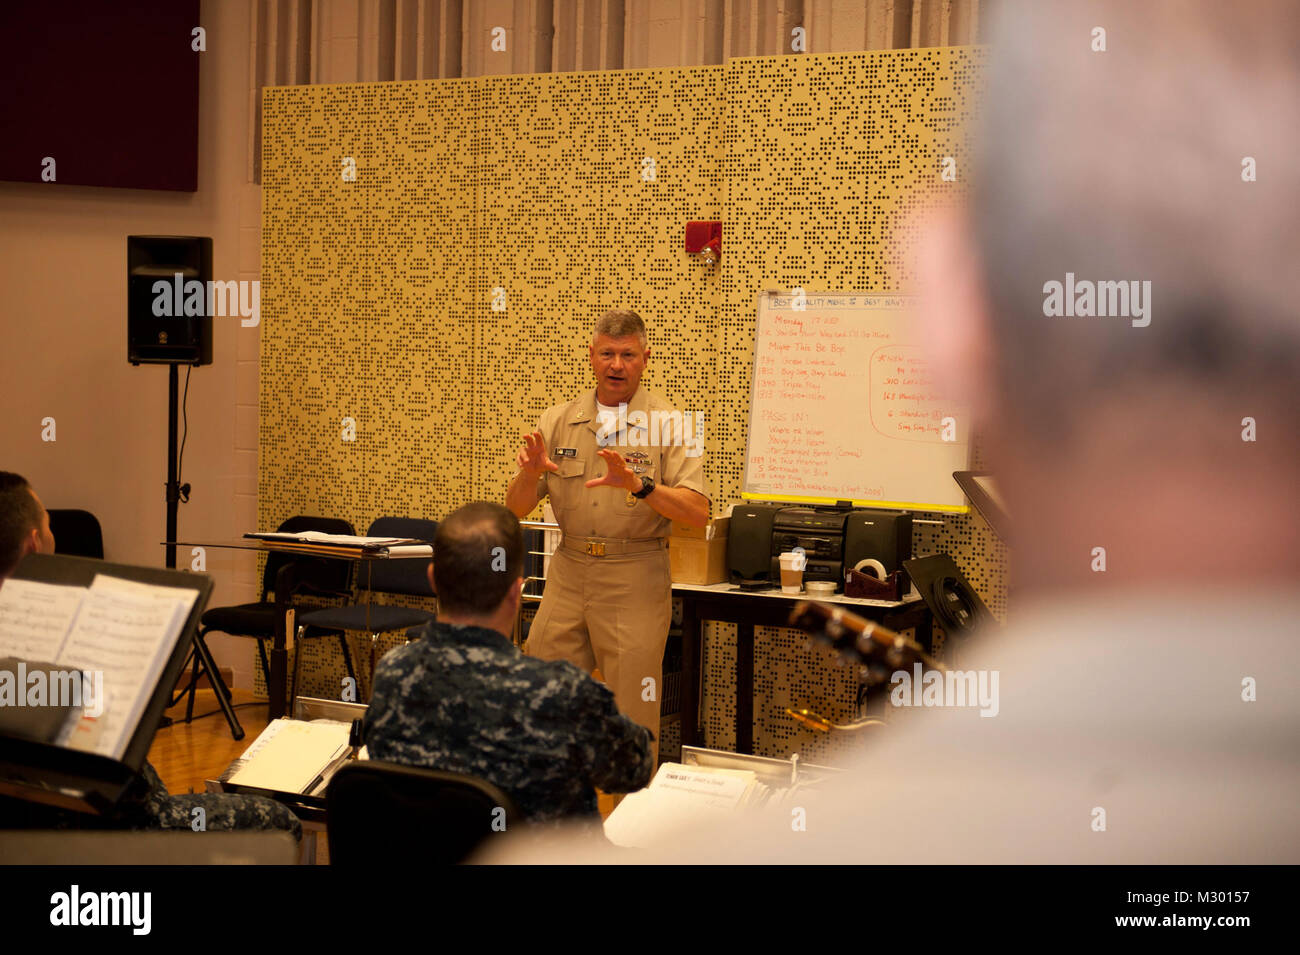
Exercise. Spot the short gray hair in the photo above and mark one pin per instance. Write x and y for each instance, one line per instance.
(1151, 190)
(621, 323)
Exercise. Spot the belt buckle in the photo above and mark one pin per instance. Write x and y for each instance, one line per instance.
(595, 548)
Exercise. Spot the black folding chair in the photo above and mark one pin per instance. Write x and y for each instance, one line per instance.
(384, 813)
(76, 532)
(318, 577)
(402, 576)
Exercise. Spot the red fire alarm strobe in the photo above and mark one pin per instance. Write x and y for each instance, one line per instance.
(704, 239)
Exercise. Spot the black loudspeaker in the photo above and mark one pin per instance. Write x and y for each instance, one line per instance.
(749, 542)
(167, 320)
(885, 536)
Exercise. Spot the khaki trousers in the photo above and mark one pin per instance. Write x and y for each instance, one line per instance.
(613, 613)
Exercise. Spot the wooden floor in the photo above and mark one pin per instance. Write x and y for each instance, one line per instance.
(187, 754)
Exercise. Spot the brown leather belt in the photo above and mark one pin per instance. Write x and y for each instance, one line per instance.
(609, 547)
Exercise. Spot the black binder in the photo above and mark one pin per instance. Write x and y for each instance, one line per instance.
(77, 780)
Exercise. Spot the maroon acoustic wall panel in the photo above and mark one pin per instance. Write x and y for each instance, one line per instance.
(109, 90)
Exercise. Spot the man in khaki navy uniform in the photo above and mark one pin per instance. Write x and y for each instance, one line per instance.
(608, 598)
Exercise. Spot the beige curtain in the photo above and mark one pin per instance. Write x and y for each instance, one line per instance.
(349, 41)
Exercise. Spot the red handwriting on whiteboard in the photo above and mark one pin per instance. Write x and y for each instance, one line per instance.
(903, 399)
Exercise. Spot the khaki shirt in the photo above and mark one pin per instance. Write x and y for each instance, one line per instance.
(572, 432)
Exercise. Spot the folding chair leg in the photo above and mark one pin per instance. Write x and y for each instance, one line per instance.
(347, 655)
(266, 665)
(192, 690)
(297, 665)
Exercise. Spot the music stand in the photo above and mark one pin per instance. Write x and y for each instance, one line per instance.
(981, 491)
(71, 778)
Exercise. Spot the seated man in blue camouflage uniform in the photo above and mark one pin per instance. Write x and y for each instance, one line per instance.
(25, 529)
(462, 698)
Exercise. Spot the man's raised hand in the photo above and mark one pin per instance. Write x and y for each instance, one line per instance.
(619, 474)
(533, 459)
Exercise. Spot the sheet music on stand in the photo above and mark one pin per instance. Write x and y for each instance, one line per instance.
(118, 636)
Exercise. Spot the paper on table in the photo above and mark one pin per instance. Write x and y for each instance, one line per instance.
(678, 796)
(320, 537)
(325, 538)
(716, 788)
(265, 737)
(292, 758)
(275, 726)
(35, 618)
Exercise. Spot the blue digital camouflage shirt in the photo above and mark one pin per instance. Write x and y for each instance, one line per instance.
(465, 700)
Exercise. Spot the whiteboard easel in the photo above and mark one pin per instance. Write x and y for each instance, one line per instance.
(844, 406)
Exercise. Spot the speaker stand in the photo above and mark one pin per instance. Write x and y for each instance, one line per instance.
(173, 482)
(202, 658)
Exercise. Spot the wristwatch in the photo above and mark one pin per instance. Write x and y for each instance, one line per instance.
(647, 485)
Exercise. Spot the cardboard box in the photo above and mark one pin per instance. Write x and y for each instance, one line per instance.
(697, 561)
(698, 555)
(716, 528)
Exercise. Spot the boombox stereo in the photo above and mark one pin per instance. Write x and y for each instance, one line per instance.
(819, 533)
(832, 539)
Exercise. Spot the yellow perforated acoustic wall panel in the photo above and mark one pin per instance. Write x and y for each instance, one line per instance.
(391, 385)
(827, 158)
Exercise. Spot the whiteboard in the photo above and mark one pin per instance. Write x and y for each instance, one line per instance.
(844, 406)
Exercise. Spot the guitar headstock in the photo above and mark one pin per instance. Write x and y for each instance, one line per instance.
(877, 650)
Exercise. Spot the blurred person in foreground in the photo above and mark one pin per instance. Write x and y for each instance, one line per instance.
(1149, 712)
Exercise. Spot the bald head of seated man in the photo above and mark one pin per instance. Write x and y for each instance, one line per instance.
(462, 698)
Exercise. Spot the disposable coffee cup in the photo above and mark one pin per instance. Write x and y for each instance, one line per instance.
(792, 565)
